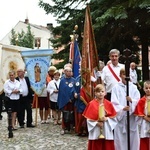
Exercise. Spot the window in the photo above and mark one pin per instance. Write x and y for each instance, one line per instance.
(37, 42)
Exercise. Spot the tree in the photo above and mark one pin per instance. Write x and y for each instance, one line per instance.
(22, 39)
(13, 37)
(115, 22)
(122, 21)
(68, 17)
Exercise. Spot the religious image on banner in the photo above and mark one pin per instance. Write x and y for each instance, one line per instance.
(37, 64)
(37, 72)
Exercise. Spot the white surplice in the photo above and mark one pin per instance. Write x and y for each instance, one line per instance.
(94, 130)
(144, 126)
(118, 99)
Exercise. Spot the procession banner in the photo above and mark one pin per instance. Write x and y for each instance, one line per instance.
(10, 60)
(37, 63)
(89, 63)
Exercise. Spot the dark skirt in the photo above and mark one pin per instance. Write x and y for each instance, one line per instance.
(13, 104)
(43, 103)
(53, 105)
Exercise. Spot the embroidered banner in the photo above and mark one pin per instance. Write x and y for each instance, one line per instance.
(10, 59)
(89, 63)
(37, 63)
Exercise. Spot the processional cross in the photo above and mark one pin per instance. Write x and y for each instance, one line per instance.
(127, 57)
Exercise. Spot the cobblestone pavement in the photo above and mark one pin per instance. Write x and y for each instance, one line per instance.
(42, 137)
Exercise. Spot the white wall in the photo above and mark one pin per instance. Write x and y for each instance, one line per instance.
(42, 33)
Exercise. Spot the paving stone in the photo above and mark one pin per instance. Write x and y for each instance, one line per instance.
(42, 137)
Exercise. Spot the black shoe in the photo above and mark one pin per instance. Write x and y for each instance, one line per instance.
(30, 126)
(13, 129)
(79, 134)
(84, 135)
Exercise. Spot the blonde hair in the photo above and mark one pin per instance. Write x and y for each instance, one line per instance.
(12, 72)
(146, 82)
(53, 68)
(99, 87)
(122, 71)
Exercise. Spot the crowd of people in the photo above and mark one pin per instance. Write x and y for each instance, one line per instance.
(103, 119)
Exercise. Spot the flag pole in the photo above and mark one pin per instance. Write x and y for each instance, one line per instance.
(75, 66)
(73, 38)
(35, 105)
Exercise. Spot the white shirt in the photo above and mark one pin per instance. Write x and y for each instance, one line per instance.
(24, 87)
(108, 77)
(9, 86)
(133, 76)
(51, 88)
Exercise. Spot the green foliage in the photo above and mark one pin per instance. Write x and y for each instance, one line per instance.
(117, 12)
(61, 8)
(22, 39)
(13, 37)
(64, 31)
(115, 24)
(68, 15)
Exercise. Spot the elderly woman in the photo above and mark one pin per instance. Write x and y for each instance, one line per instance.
(12, 89)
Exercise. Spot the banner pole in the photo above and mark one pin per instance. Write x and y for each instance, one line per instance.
(36, 108)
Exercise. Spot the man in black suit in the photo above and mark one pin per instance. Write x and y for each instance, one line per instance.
(25, 100)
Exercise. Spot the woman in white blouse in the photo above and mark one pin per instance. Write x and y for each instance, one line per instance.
(12, 89)
(52, 88)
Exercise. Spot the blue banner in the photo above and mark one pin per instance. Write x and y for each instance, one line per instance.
(76, 60)
(37, 63)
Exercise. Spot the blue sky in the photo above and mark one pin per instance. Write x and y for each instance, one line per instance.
(13, 11)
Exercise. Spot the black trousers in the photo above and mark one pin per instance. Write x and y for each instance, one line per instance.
(25, 105)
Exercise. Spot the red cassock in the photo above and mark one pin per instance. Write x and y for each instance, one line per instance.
(140, 111)
(91, 112)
